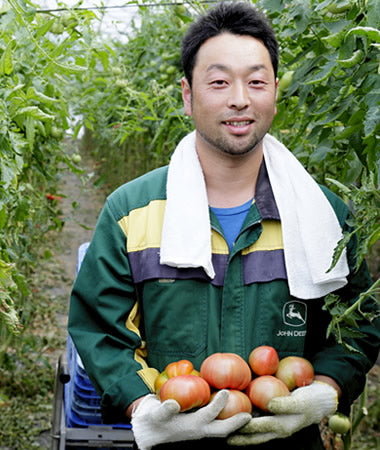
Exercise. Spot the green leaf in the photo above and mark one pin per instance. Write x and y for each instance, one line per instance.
(3, 217)
(354, 60)
(372, 120)
(43, 29)
(370, 33)
(373, 16)
(30, 131)
(36, 95)
(7, 174)
(70, 69)
(350, 349)
(319, 154)
(35, 112)
(347, 332)
(326, 70)
(6, 61)
(334, 40)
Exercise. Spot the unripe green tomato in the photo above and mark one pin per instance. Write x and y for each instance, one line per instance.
(166, 56)
(180, 9)
(163, 67)
(120, 83)
(57, 28)
(284, 83)
(69, 20)
(76, 158)
(285, 80)
(116, 71)
(170, 70)
(339, 423)
(56, 132)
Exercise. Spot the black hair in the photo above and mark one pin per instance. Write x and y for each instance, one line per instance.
(237, 18)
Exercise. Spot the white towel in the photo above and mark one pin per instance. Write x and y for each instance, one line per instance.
(310, 227)
(186, 231)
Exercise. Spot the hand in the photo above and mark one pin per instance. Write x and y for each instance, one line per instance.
(155, 423)
(305, 406)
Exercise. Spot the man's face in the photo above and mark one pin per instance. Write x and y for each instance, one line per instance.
(233, 94)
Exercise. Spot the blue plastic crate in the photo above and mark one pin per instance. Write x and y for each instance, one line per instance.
(83, 388)
(89, 413)
(90, 399)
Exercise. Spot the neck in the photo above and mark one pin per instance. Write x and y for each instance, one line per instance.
(230, 179)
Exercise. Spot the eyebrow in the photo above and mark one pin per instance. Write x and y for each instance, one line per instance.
(225, 68)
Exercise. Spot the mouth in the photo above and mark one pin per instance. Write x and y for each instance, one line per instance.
(238, 126)
(238, 123)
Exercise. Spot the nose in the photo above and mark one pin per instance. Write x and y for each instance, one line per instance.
(238, 98)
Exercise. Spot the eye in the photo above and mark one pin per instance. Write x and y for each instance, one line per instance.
(219, 83)
(257, 83)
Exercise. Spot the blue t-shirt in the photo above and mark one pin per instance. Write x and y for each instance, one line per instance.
(231, 220)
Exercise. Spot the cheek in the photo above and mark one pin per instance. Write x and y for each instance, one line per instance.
(266, 105)
(207, 105)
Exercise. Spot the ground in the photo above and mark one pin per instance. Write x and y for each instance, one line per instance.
(25, 418)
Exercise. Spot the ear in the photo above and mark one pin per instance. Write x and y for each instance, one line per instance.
(186, 96)
(276, 88)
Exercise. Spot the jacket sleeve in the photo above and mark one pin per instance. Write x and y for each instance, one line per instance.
(329, 358)
(104, 321)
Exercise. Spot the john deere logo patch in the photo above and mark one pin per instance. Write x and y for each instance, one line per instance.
(294, 313)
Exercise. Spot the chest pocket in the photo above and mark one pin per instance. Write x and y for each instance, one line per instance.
(175, 319)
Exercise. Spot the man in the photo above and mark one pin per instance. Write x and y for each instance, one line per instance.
(157, 285)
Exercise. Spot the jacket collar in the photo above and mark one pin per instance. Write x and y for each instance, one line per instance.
(264, 197)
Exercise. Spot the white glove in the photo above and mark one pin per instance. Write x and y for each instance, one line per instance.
(305, 406)
(155, 423)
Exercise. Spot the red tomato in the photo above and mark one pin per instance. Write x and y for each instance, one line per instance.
(262, 389)
(226, 370)
(190, 391)
(295, 371)
(182, 367)
(263, 360)
(237, 402)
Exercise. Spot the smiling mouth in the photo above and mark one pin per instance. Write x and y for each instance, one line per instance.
(240, 123)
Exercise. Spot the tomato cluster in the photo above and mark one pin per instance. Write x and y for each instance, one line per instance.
(250, 384)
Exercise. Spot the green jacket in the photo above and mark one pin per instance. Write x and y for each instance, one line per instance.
(130, 316)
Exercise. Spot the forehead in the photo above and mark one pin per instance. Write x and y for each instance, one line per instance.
(236, 51)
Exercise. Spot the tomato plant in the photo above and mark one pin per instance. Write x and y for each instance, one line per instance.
(190, 391)
(262, 389)
(226, 370)
(263, 360)
(35, 67)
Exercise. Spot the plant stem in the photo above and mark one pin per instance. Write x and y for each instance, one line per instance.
(371, 291)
